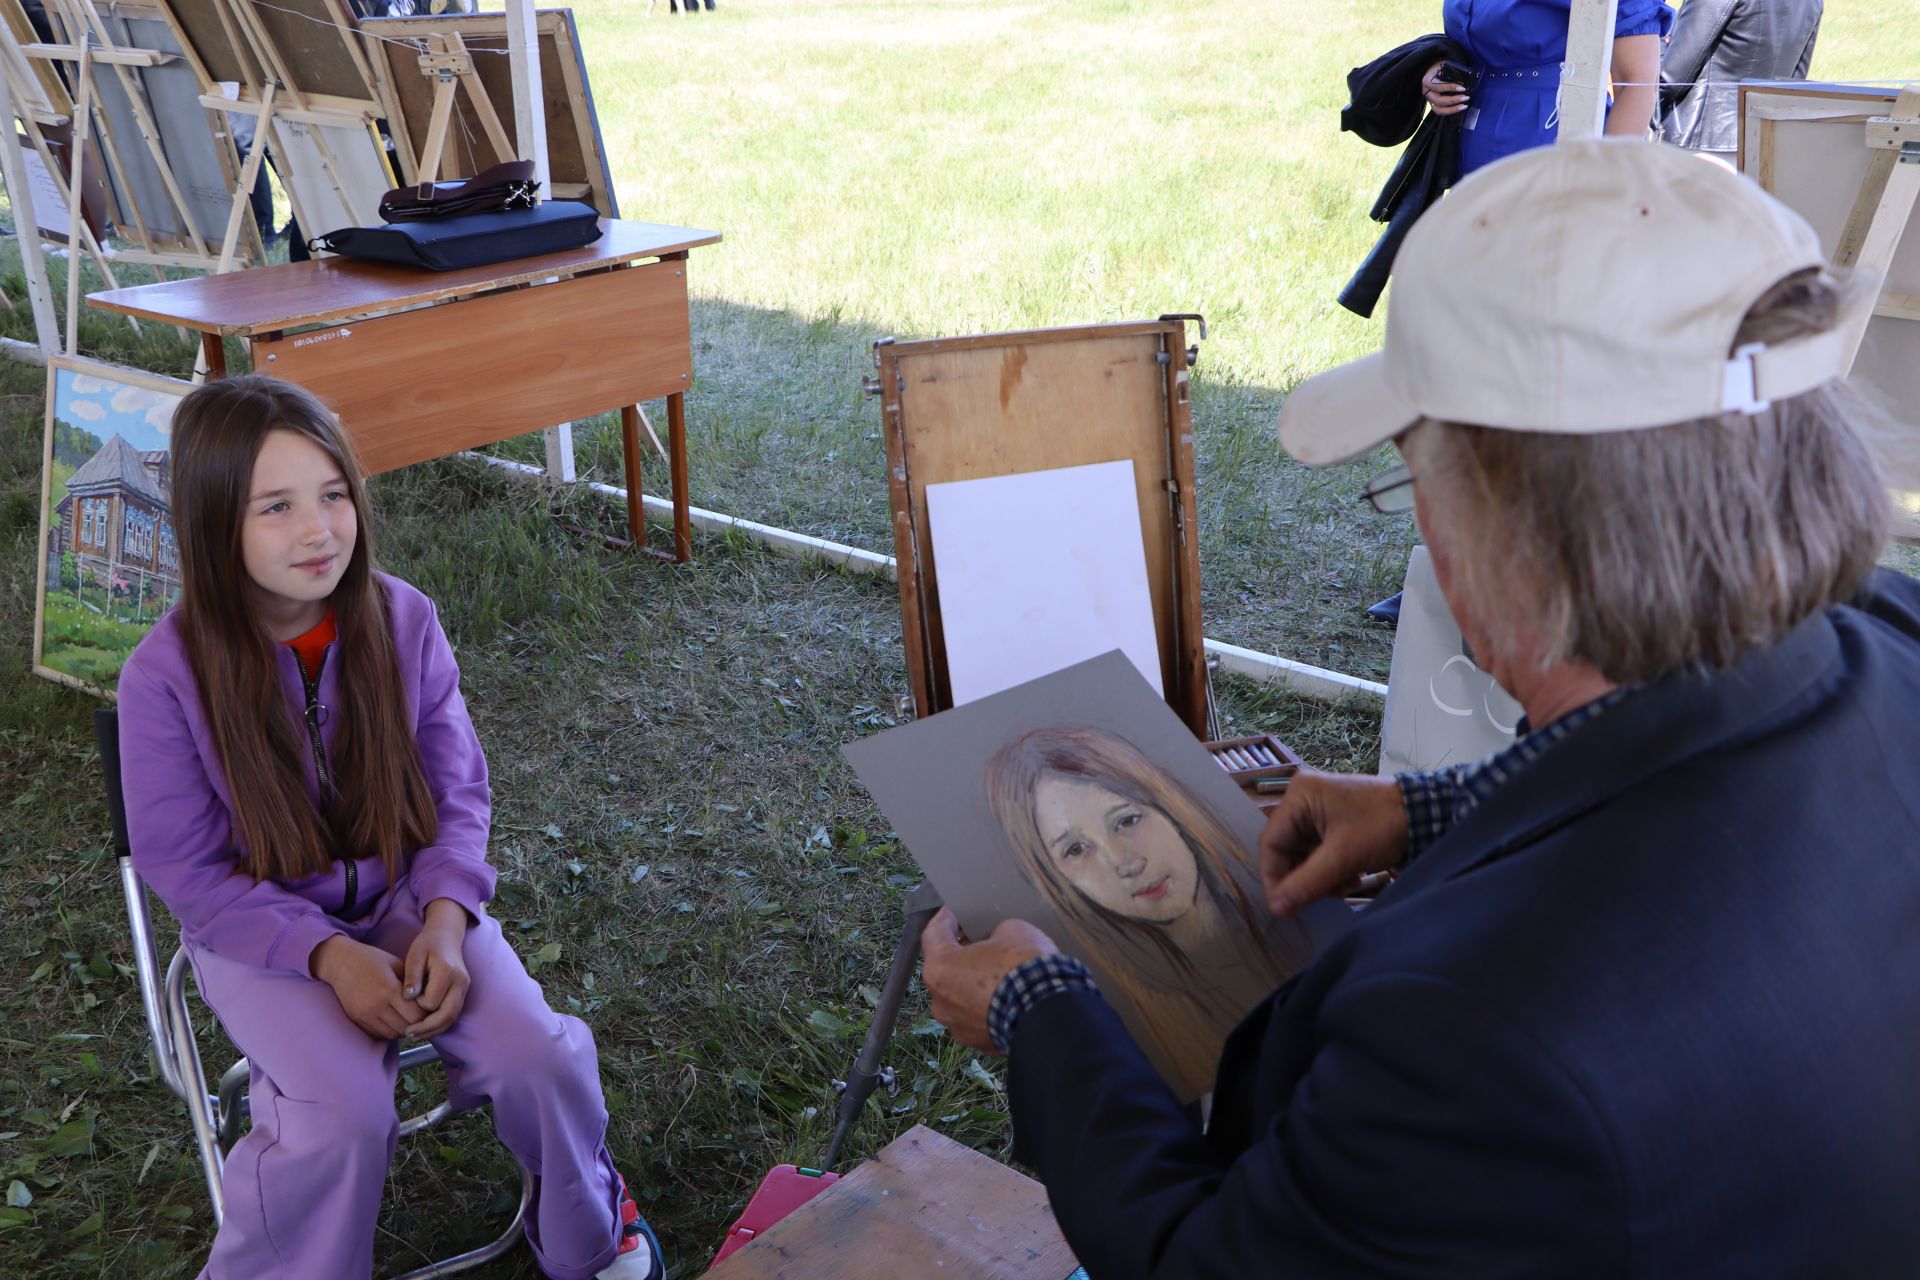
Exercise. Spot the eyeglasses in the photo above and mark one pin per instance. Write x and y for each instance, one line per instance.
(1390, 492)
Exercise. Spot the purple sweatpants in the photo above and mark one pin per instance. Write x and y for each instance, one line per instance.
(303, 1186)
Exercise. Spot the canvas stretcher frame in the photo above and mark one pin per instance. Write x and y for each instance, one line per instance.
(1008, 403)
(1847, 157)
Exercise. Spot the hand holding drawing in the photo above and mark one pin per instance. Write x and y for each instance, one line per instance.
(1329, 831)
(962, 976)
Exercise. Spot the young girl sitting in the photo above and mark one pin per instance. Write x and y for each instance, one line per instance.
(306, 793)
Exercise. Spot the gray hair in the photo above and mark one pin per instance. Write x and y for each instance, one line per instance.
(1647, 552)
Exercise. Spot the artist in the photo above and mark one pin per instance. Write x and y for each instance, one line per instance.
(1645, 999)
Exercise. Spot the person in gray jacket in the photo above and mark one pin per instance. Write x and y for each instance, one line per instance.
(1714, 46)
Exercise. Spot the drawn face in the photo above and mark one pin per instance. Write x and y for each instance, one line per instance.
(298, 533)
(1125, 856)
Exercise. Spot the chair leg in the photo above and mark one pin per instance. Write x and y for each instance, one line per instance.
(231, 1109)
(486, 1253)
(200, 1105)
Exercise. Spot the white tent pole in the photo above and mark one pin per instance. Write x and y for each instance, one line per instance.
(530, 138)
(529, 115)
(1587, 73)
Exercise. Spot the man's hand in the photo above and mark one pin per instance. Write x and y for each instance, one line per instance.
(436, 968)
(962, 976)
(1330, 830)
(366, 982)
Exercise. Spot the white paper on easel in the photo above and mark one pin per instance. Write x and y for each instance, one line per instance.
(49, 208)
(1038, 572)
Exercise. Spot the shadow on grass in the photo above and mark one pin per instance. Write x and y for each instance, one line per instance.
(683, 856)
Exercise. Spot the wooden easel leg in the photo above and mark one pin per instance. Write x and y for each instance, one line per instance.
(630, 451)
(677, 465)
(213, 348)
(13, 172)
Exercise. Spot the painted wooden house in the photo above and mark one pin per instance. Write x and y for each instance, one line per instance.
(117, 520)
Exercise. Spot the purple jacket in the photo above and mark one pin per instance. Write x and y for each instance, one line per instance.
(180, 812)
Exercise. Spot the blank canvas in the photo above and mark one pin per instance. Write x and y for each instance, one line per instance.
(1039, 571)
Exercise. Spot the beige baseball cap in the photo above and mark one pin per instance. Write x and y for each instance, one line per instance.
(1593, 285)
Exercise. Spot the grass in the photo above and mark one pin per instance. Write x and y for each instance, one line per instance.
(683, 856)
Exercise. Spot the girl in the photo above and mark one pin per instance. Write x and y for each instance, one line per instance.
(307, 795)
(1147, 879)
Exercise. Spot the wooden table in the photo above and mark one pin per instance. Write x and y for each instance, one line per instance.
(422, 364)
(924, 1206)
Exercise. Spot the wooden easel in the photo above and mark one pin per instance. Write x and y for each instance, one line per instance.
(40, 101)
(449, 67)
(1009, 403)
(1867, 239)
(449, 94)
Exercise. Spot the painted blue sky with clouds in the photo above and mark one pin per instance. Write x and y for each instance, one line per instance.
(141, 415)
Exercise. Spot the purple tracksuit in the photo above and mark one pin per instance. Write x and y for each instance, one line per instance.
(303, 1186)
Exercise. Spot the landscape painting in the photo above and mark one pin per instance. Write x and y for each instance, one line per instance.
(109, 558)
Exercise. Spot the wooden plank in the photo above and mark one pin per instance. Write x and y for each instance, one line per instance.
(501, 365)
(924, 1206)
(988, 405)
(329, 290)
(1587, 75)
(1189, 659)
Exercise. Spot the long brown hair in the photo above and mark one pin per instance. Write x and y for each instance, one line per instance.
(379, 804)
(1138, 954)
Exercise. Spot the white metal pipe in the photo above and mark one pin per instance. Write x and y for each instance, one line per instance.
(1301, 677)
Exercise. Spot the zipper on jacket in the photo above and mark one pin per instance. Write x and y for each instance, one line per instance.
(320, 771)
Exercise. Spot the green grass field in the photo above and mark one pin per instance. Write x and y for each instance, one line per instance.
(683, 855)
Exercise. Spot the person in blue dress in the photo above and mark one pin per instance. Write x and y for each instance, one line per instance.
(1517, 47)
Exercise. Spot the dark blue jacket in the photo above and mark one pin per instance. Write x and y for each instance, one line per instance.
(1652, 1010)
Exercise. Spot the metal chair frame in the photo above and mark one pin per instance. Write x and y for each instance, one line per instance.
(219, 1115)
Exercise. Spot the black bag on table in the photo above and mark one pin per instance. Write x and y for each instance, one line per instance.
(471, 240)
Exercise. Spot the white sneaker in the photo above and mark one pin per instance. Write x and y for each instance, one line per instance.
(639, 1257)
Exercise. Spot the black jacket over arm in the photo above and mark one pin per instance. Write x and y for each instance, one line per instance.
(1652, 1010)
(1386, 107)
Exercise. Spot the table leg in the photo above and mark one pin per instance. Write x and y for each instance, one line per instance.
(677, 464)
(630, 448)
(216, 350)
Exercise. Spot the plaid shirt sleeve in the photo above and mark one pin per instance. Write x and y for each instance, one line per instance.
(1026, 986)
(1431, 798)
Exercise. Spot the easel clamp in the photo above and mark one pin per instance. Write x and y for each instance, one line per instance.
(445, 65)
(1900, 134)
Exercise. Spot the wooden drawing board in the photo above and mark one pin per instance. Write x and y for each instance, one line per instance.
(1807, 145)
(924, 1206)
(1009, 403)
(576, 158)
(312, 47)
